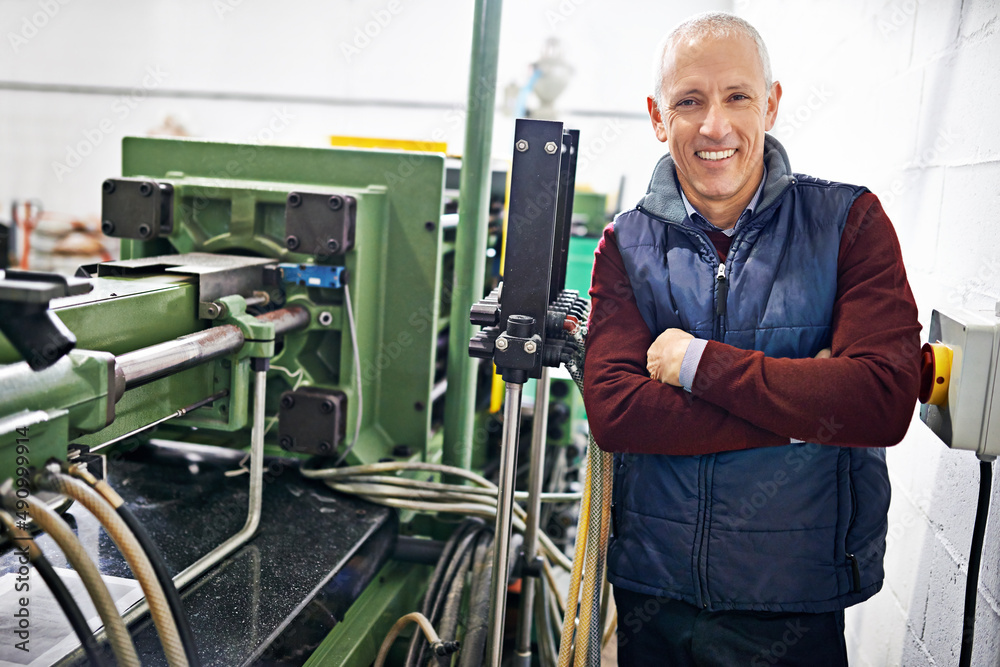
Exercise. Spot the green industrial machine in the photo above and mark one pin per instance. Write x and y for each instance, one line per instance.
(219, 239)
(324, 273)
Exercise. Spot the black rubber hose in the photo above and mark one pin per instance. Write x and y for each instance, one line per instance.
(72, 611)
(453, 572)
(473, 649)
(975, 559)
(436, 580)
(453, 601)
(166, 582)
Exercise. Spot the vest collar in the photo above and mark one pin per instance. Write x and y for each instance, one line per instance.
(663, 197)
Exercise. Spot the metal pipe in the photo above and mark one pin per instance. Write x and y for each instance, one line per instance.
(536, 474)
(287, 320)
(471, 235)
(505, 508)
(146, 364)
(207, 561)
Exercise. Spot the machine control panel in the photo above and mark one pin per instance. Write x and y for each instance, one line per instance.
(960, 385)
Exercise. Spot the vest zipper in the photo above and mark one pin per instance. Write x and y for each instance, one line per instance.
(721, 295)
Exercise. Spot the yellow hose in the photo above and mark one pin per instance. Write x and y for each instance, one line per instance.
(134, 555)
(53, 524)
(594, 567)
(569, 621)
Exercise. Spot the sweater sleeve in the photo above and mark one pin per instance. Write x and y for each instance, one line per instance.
(627, 410)
(864, 395)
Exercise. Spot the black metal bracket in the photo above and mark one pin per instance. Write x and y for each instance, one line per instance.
(34, 330)
(137, 208)
(312, 420)
(319, 224)
(525, 319)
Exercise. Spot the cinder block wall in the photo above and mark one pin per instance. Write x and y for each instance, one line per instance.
(904, 97)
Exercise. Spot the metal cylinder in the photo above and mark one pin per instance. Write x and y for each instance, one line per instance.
(535, 480)
(287, 319)
(144, 365)
(505, 508)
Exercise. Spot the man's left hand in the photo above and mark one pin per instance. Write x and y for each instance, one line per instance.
(664, 356)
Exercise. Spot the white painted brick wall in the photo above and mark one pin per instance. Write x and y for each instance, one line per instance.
(912, 112)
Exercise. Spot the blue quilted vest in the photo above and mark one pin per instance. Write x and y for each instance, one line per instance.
(799, 528)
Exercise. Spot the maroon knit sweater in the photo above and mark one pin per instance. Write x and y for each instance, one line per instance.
(863, 396)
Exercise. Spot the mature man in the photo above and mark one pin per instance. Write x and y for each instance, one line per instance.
(753, 347)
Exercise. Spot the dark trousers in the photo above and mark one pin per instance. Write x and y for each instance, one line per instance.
(671, 633)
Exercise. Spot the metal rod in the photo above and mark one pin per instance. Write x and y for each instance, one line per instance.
(505, 508)
(173, 415)
(287, 320)
(536, 476)
(210, 559)
(204, 563)
(146, 364)
(471, 235)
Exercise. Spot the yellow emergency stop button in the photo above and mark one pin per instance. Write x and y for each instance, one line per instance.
(935, 373)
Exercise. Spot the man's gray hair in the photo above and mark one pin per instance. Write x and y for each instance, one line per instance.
(709, 24)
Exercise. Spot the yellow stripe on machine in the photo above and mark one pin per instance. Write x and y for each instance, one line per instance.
(392, 144)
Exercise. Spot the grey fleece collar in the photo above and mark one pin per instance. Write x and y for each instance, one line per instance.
(663, 198)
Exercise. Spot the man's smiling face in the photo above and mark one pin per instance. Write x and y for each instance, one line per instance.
(714, 111)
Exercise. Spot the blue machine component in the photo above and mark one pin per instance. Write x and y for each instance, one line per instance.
(314, 275)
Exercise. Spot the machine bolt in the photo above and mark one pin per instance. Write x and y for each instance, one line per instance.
(294, 199)
(530, 346)
(336, 202)
(287, 401)
(108, 186)
(108, 227)
(212, 310)
(550, 147)
(325, 447)
(419, 406)
(286, 442)
(326, 407)
(144, 231)
(145, 189)
(325, 318)
(501, 343)
(521, 145)
(292, 242)
(333, 245)
(429, 226)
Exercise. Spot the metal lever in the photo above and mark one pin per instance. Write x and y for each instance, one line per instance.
(34, 331)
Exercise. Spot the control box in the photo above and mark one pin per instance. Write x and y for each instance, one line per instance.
(960, 385)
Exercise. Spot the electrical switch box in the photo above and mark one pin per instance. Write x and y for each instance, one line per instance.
(968, 416)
